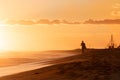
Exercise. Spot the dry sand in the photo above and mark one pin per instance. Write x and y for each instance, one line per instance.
(93, 65)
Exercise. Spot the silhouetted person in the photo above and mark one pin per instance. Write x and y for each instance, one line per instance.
(83, 46)
(118, 47)
(111, 46)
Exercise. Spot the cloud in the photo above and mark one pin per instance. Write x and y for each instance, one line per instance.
(21, 22)
(46, 21)
(26, 22)
(105, 21)
(115, 13)
(56, 22)
(41, 21)
(52, 22)
(116, 10)
(117, 5)
(67, 22)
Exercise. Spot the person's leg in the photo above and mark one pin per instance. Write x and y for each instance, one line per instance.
(82, 50)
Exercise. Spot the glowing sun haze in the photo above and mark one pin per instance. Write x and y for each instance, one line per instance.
(56, 24)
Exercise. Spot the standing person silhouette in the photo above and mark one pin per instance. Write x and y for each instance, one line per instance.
(83, 46)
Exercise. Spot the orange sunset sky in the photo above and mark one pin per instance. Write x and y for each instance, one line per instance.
(35, 25)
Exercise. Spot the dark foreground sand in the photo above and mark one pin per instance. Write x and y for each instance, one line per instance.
(93, 65)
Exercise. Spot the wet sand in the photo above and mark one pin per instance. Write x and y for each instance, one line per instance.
(93, 65)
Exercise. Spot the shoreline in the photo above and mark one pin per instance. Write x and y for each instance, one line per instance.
(11, 70)
(97, 65)
(28, 66)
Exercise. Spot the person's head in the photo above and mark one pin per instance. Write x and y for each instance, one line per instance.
(82, 41)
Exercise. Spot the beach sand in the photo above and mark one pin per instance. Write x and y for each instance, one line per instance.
(96, 64)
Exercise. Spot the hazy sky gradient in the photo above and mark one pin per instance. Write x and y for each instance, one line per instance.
(57, 36)
(59, 9)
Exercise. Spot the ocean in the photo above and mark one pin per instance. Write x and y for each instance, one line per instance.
(35, 60)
